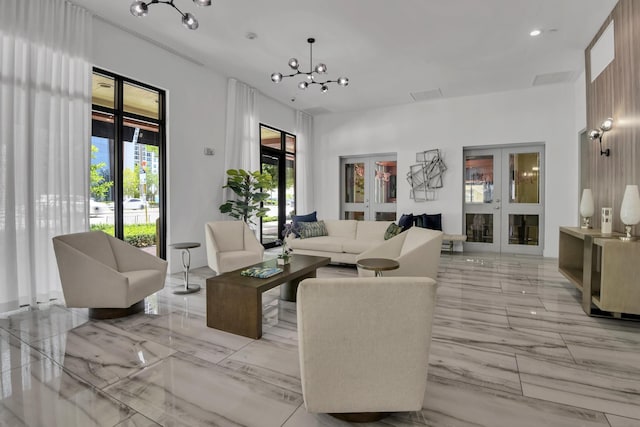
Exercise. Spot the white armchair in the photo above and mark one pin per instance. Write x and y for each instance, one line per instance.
(364, 344)
(105, 274)
(231, 245)
(417, 250)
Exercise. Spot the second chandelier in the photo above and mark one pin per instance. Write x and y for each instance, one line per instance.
(310, 78)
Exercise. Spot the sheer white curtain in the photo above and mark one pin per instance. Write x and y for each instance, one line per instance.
(242, 144)
(45, 108)
(304, 164)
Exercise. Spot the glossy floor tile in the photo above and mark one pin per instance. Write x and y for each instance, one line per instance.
(511, 347)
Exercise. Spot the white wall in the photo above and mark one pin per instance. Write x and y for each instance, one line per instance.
(543, 114)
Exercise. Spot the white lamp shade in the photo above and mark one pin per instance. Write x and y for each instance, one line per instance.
(587, 207)
(630, 209)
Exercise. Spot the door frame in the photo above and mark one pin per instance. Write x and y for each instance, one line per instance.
(501, 199)
(369, 206)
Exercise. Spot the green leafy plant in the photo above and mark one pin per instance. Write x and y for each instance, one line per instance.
(250, 189)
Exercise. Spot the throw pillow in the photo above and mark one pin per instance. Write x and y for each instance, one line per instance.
(406, 221)
(392, 230)
(312, 229)
(434, 221)
(297, 219)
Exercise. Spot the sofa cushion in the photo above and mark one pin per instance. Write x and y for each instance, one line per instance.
(434, 221)
(406, 221)
(392, 230)
(358, 246)
(342, 228)
(323, 243)
(312, 229)
(371, 230)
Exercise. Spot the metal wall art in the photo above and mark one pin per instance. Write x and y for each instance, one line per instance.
(426, 176)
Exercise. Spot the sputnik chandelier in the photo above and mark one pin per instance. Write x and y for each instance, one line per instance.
(310, 79)
(140, 8)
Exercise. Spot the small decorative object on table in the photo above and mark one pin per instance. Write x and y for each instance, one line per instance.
(586, 207)
(261, 272)
(607, 217)
(285, 256)
(630, 211)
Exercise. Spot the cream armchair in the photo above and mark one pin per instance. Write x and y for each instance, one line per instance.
(364, 344)
(417, 250)
(105, 274)
(231, 245)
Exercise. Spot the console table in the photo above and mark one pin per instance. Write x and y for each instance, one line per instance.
(604, 268)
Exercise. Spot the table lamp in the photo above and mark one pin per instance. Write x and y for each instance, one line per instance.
(630, 210)
(586, 207)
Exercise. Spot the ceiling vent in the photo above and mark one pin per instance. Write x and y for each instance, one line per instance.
(554, 78)
(426, 95)
(314, 111)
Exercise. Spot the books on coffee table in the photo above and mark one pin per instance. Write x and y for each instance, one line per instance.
(261, 272)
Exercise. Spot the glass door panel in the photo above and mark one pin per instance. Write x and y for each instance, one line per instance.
(516, 176)
(523, 212)
(369, 188)
(271, 165)
(481, 206)
(355, 186)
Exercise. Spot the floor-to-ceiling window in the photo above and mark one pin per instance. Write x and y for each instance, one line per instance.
(278, 158)
(127, 161)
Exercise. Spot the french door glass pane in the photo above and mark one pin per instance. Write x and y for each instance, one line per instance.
(354, 182)
(385, 182)
(479, 228)
(102, 173)
(478, 174)
(524, 184)
(386, 216)
(523, 230)
(357, 215)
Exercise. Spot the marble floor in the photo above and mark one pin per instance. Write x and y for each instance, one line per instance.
(511, 347)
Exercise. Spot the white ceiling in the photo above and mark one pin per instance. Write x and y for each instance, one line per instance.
(388, 49)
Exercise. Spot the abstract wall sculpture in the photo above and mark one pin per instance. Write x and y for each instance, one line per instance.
(426, 176)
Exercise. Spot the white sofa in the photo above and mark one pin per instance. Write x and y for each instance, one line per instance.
(345, 241)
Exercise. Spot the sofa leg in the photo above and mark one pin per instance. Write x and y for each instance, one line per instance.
(114, 313)
(361, 417)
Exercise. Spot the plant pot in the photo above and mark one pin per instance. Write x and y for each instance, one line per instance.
(283, 261)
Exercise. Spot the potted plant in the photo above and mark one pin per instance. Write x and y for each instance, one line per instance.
(250, 189)
(285, 255)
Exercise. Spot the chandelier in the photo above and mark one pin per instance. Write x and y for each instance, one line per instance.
(140, 8)
(310, 79)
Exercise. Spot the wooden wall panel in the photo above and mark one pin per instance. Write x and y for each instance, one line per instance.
(615, 93)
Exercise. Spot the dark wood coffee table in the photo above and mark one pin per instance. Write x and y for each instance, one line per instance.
(234, 302)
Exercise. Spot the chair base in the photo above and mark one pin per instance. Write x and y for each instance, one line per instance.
(361, 417)
(114, 313)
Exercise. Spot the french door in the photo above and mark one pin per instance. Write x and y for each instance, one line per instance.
(504, 199)
(369, 188)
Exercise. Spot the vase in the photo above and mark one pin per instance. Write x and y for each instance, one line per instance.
(283, 261)
(586, 207)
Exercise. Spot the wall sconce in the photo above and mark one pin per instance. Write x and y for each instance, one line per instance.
(598, 133)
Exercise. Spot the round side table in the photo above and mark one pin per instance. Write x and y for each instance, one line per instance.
(186, 263)
(378, 265)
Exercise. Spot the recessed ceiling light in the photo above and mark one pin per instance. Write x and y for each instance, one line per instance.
(251, 36)
(535, 33)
